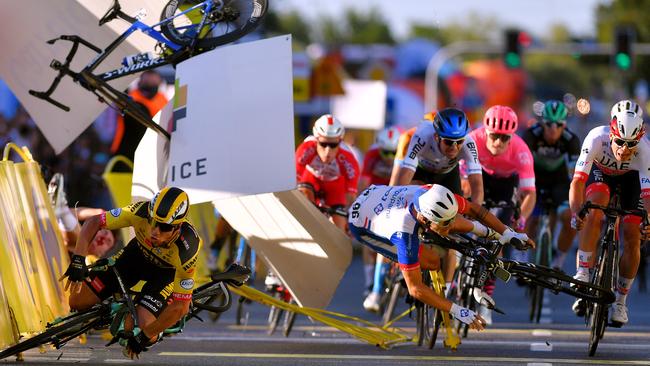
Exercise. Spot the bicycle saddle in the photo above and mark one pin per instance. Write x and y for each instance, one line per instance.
(112, 13)
(235, 274)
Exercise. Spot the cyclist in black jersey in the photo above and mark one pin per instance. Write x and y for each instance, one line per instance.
(555, 151)
(163, 253)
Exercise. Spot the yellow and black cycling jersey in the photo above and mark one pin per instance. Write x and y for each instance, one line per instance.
(180, 254)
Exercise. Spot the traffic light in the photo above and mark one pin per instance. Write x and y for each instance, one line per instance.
(623, 39)
(514, 41)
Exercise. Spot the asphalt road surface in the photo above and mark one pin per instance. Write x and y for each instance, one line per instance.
(560, 339)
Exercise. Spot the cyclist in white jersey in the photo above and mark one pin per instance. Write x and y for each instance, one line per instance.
(389, 218)
(612, 156)
(430, 154)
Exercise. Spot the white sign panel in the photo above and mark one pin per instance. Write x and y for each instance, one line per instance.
(151, 159)
(363, 106)
(26, 25)
(234, 125)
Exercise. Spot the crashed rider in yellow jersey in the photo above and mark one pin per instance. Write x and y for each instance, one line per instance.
(163, 253)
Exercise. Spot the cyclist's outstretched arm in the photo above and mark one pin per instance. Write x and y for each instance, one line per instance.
(402, 176)
(528, 198)
(484, 216)
(476, 184)
(576, 200)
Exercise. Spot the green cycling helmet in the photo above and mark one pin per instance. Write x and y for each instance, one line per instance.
(554, 111)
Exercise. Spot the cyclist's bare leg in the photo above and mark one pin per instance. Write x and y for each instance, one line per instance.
(145, 317)
(84, 299)
(567, 233)
(340, 221)
(308, 191)
(450, 265)
(629, 264)
(531, 226)
(368, 255)
(589, 235)
(429, 259)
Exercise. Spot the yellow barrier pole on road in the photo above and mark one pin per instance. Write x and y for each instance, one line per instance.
(367, 332)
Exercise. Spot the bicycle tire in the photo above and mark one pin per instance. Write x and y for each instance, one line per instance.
(437, 320)
(245, 16)
(392, 302)
(289, 320)
(598, 318)
(275, 315)
(537, 298)
(49, 335)
(419, 322)
(239, 313)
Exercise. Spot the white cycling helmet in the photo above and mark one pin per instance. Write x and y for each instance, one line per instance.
(328, 126)
(438, 204)
(626, 120)
(388, 138)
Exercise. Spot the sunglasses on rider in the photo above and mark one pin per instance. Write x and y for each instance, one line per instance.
(387, 154)
(557, 123)
(164, 228)
(452, 142)
(331, 145)
(500, 136)
(445, 223)
(629, 143)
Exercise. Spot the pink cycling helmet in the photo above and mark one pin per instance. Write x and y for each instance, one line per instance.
(500, 119)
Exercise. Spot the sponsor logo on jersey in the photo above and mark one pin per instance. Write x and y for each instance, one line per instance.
(378, 209)
(116, 212)
(416, 148)
(187, 284)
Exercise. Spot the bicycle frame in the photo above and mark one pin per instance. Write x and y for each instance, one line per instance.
(149, 31)
(98, 85)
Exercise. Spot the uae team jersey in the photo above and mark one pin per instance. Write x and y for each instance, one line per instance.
(517, 159)
(418, 147)
(597, 149)
(380, 218)
(181, 254)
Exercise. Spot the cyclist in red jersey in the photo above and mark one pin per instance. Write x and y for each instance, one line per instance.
(327, 171)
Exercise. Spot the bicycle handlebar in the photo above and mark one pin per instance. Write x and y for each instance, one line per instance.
(612, 211)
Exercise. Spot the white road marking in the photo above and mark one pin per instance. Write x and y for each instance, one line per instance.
(541, 347)
(542, 332)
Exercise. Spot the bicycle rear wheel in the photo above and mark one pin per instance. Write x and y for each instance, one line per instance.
(598, 313)
(274, 315)
(228, 21)
(391, 305)
(61, 332)
(537, 292)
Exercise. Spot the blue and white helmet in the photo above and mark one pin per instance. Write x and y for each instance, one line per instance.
(451, 123)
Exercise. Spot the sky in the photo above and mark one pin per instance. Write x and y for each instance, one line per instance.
(534, 16)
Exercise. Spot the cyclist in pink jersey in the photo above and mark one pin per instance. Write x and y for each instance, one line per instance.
(326, 169)
(508, 172)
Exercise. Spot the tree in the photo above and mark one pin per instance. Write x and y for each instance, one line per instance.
(356, 27)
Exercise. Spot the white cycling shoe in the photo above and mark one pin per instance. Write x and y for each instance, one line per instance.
(371, 303)
(619, 314)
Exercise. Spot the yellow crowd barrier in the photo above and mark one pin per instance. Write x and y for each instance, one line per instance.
(32, 256)
(119, 186)
(363, 329)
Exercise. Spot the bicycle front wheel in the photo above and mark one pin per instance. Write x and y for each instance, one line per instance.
(58, 334)
(228, 21)
(598, 313)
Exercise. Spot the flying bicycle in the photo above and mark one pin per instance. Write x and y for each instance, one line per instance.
(186, 28)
